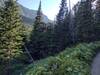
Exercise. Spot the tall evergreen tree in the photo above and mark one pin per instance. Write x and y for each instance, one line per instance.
(41, 40)
(61, 28)
(97, 22)
(62, 12)
(84, 21)
(37, 39)
(76, 19)
(11, 33)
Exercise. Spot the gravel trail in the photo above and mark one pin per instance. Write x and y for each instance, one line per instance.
(96, 65)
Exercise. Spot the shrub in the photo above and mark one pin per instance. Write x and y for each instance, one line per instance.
(72, 61)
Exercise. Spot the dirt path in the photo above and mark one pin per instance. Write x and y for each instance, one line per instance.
(96, 65)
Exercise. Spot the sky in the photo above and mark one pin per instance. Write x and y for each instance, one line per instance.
(49, 7)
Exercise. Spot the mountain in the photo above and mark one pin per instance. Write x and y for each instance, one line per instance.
(28, 15)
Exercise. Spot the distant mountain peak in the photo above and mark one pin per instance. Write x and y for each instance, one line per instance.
(29, 15)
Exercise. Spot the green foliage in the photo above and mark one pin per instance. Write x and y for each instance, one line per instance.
(42, 43)
(72, 61)
(97, 20)
(35, 65)
(45, 41)
(12, 33)
(84, 24)
(62, 12)
(41, 40)
(62, 27)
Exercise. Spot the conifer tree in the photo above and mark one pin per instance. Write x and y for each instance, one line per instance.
(84, 21)
(61, 28)
(37, 39)
(49, 41)
(76, 19)
(97, 22)
(62, 12)
(41, 42)
(11, 33)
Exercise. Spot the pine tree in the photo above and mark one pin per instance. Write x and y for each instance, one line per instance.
(50, 41)
(84, 21)
(37, 39)
(61, 28)
(62, 12)
(76, 19)
(97, 22)
(11, 33)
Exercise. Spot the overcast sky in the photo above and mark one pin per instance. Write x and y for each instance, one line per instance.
(49, 7)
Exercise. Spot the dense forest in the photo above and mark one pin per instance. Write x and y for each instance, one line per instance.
(66, 46)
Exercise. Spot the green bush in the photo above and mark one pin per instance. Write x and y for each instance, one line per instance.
(72, 61)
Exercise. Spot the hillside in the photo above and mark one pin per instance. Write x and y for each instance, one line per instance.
(28, 15)
(72, 61)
